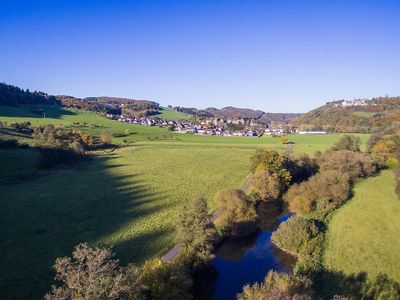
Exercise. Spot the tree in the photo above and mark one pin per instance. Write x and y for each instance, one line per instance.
(265, 186)
(238, 213)
(194, 229)
(283, 139)
(93, 273)
(273, 162)
(295, 235)
(165, 281)
(106, 138)
(279, 286)
(348, 142)
(322, 193)
(355, 164)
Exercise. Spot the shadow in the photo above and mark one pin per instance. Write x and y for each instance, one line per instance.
(35, 111)
(45, 216)
(355, 286)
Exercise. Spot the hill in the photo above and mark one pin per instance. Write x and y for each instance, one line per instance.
(231, 112)
(362, 116)
(12, 95)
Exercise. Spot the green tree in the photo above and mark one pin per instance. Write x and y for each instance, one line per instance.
(273, 162)
(194, 229)
(238, 214)
(166, 281)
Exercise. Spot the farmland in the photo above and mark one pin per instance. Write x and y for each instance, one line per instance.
(363, 234)
(127, 198)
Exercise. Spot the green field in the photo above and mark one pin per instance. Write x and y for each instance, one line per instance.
(363, 235)
(128, 198)
(171, 114)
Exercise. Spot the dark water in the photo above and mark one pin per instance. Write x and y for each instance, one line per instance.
(242, 260)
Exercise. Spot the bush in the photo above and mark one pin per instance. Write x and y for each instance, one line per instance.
(348, 142)
(279, 286)
(387, 151)
(323, 193)
(295, 235)
(238, 214)
(93, 273)
(265, 186)
(105, 138)
(355, 164)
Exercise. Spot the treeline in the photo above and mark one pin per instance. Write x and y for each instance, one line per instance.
(112, 105)
(380, 115)
(56, 144)
(12, 95)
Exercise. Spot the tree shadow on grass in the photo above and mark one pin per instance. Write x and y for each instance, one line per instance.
(45, 217)
(355, 286)
(35, 111)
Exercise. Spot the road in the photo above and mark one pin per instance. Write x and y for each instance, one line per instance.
(171, 254)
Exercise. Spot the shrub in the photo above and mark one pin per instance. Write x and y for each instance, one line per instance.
(21, 127)
(348, 142)
(265, 186)
(238, 214)
(387, 151)
(295, 235)
(279, 286)
(93, 273)
(355, 164)
(106, 138)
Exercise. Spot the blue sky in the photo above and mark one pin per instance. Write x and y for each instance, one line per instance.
(278, 56)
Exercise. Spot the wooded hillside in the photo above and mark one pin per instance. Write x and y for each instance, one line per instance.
(378, 114)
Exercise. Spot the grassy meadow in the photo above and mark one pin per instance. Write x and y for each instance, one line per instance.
(128, 198)
(363, 234)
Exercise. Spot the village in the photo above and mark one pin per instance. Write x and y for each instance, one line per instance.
(215, 126)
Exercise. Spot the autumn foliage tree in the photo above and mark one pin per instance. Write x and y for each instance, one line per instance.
(93, 273)
(238, 214)
(273, 162)
(265, 186)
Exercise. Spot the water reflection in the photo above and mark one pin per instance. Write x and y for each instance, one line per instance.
(242, 260)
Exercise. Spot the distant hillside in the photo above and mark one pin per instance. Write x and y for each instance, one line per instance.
(12, 95)
(240, 113)
(363, 116)
(112, 105)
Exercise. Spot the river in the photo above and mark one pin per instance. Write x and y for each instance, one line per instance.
(242, 260)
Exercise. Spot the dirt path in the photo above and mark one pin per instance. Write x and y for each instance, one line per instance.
(171, 254)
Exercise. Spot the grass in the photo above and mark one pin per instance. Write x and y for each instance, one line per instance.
(171, 114)
(128, 199)
(363, 234)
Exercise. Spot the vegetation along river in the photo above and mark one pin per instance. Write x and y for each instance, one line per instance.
(242, 260)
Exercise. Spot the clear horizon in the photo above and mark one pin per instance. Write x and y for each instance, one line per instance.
(275, 56)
